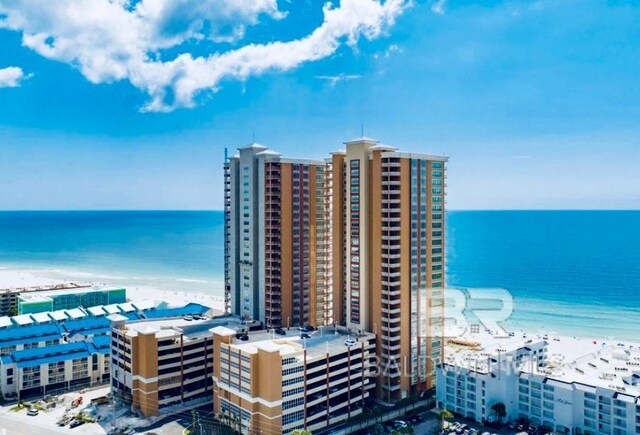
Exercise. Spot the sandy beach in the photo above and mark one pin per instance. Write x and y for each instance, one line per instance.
(21, 278)
(175, 298)
(12, 278)
(16, 278)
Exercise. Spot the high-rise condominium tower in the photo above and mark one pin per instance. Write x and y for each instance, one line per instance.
(278, 238)
(356, 240)
(388, 211)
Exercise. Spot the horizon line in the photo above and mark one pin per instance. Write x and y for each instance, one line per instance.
(221, 210)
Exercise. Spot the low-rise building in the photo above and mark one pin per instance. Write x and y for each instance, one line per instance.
(568, 385)
(47, 353)
(64, 299)
(162, 364)
(9, 296)
(39, 359)
(275, 384)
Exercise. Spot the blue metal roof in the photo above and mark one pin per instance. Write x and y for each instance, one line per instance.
(37, 352)
(27, 331)
(53, 358)
(29, 340)
(102, 341)
(86, 323)
(130, 316)
(189, 309)
(59, 352)
(91, 332)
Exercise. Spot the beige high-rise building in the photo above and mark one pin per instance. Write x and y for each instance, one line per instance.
(278, 238)
(388, 212)
(356, 240)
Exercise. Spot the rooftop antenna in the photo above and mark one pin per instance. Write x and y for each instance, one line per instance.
(362, 130)
(254, 137)
(226, 154)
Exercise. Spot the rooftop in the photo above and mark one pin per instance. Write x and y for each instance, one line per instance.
(190, 329)
(420, 156)
(585, 362)
(616, 367)
(57, 352)
(66, 291)
(23, 319)
(187, 310)
(41, 317)
(322, 341)
(253, 146)
(361, 139)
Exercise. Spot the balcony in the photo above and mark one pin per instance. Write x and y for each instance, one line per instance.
(390, 310)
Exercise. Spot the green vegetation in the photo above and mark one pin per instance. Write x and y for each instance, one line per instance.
(22, 404)
(445, 415)
(85, 417)
(301, 432)
(404, 431)
(499, 410)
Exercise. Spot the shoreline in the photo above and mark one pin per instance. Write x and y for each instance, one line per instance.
(585, 322)
(25, 278)
(579, 345)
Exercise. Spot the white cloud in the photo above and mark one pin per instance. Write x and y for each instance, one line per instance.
(12, 77)
(393, 48)
(111, 40)
(438, 6)
(333, 80)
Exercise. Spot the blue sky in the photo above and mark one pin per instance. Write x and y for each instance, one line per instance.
(536, 102)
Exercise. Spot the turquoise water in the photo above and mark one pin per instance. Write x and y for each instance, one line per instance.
(168, 250)
(573, 272)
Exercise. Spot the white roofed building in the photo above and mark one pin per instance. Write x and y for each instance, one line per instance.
(568, 385)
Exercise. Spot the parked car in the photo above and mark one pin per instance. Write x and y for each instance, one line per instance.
(32, 412)
(306, 328)
(244, 337)
(400, 424)
(305, 335)
(350, 342)
(417, 418)
(76, 423)
(280, 331)
(188, 318)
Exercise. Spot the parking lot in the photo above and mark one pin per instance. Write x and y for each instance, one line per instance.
(470, 427)
(43, 416)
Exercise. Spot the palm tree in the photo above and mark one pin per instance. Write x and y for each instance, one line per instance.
(301, 432)
(194, 419)
(499, 410)
(445, 414)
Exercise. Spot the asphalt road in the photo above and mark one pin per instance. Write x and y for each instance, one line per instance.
(14, 427)
(429, 426)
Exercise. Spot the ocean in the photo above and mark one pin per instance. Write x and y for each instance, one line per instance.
(570, 272)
